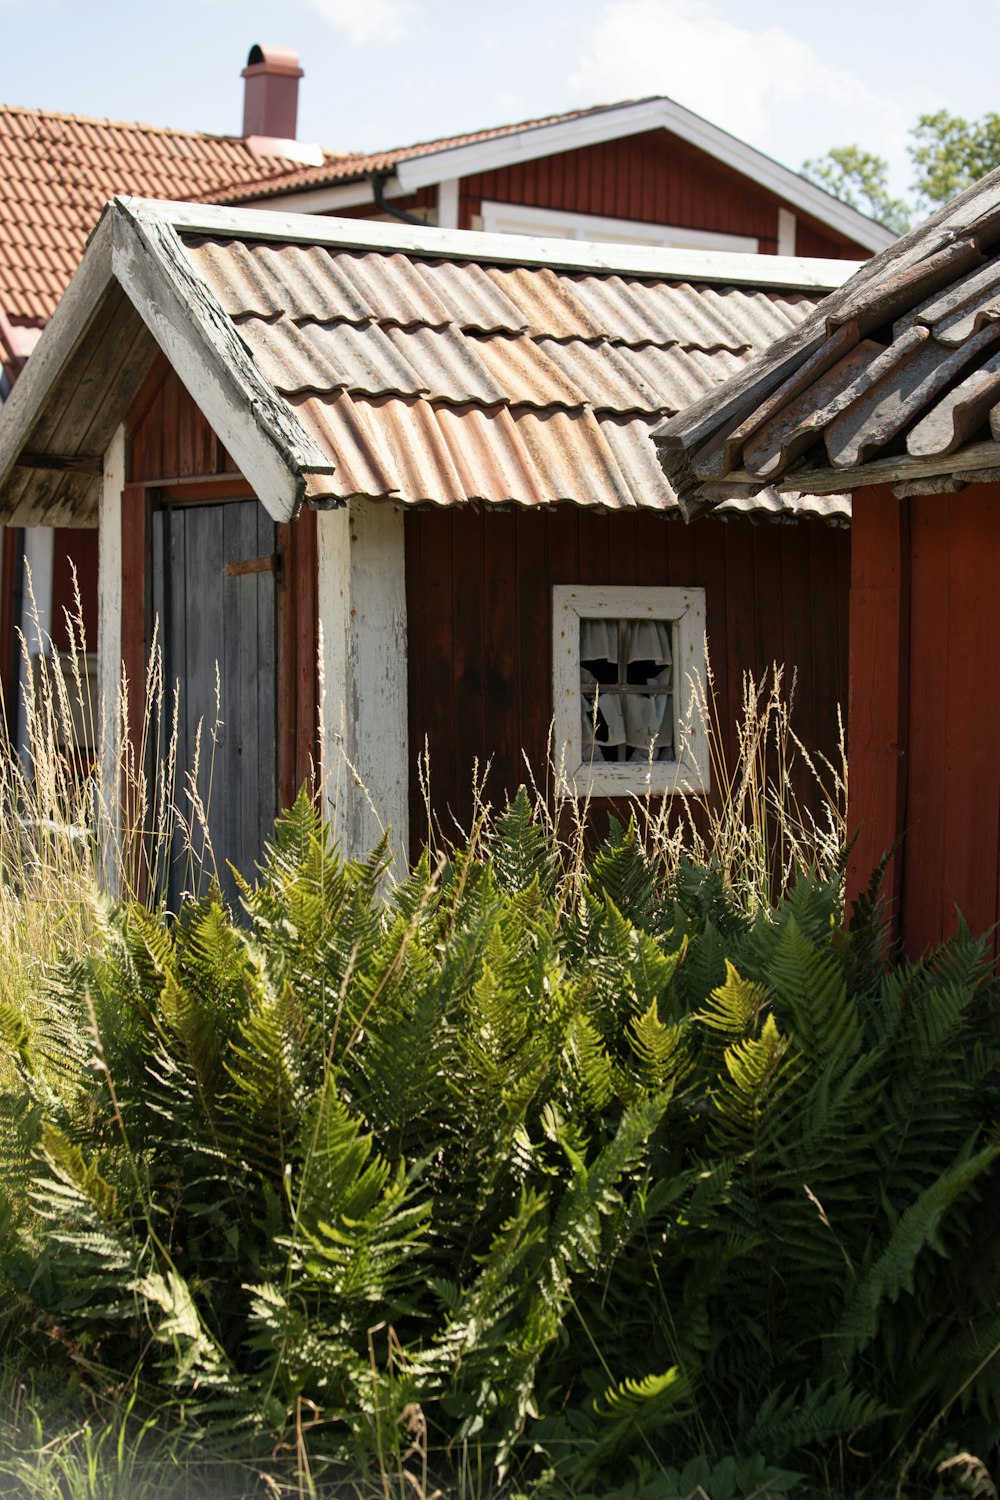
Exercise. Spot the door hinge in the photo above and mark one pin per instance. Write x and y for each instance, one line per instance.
(273, 562)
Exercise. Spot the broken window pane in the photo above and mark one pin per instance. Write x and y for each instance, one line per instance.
(626, 689)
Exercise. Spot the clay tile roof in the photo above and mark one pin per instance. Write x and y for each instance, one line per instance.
(58, 171)
(894, 378)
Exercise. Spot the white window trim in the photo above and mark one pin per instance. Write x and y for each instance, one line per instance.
(516, 218)
(685, 607)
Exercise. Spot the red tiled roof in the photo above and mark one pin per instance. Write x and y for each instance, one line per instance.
(57, 172)
(354, 165)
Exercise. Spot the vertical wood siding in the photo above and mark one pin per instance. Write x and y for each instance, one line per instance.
(169, 437)
(175, 460)
(952, 822)
(879, 690)
(816, 239)
(925, 716)
(74, 551)
(654, 178)
(479, 611)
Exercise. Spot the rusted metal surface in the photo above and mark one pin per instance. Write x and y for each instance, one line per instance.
(443, 383)
(916, 399)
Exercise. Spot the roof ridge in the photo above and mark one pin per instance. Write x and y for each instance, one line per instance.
(174, 131)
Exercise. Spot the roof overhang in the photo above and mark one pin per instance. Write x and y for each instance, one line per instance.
(134, 290)
(593, 127)
(893, 379)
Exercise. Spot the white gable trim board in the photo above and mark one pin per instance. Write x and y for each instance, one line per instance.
(794, 272)
(515, 218)
(593, 128)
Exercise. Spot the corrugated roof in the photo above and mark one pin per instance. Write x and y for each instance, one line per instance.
(430, 381)
(58, 171)
(418, 366)
(895, 377)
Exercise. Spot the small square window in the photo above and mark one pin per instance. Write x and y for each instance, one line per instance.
(627, 664)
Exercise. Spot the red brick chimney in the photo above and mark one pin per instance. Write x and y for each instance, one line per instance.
(271, 93)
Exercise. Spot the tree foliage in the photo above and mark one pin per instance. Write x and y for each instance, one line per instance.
(948, 152)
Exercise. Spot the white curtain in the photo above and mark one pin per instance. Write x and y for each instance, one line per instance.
(634, 720)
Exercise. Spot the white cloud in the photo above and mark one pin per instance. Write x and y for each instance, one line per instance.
(766, 86)
(369, 20)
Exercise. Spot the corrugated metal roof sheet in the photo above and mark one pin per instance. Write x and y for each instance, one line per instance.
(893, 378)
(437, 382)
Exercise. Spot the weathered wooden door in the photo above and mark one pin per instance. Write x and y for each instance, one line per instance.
(214, 589)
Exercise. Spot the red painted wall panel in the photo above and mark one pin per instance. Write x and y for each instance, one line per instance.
(925, 716)
(479, 609)
(654, 178)
(816, 239)
(74, 550)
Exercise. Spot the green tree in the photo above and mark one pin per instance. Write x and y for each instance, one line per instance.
(861, 180)
(948, 153)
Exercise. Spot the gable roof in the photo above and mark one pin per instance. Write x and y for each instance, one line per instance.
(57, 172)
(894, 377)
(337, 358)
(422, 165)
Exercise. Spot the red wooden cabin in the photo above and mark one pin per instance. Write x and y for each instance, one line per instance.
(436, 446)
(643, 173)
(891, 390)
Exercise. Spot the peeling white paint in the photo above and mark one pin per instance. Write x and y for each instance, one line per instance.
(362, 610)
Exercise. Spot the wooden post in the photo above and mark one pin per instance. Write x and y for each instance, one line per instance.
(879, 691)
(362, 609)
(109, 649)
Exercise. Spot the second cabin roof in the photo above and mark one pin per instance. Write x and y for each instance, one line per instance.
(895, 377)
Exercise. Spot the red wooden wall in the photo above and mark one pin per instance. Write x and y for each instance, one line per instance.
(925, 712)
(479, 611)
(655, 178)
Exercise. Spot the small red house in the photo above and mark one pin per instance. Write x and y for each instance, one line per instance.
(891, 390)
(643, 173)
(429, 450)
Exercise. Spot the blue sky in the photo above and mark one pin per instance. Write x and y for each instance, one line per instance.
(793, 79)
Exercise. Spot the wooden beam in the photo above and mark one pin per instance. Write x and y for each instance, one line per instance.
(109, 653)
(882, 471)
(362, 604)
(878, 714)
(721, 267)
(63, 463)
(267, 441)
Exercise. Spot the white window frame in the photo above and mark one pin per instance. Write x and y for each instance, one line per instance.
(685, 609)
(516, 218)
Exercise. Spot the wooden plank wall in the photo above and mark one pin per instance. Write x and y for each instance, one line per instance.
(174, 455)
(169, 438)
(654, 178)
(925, 716)
(479, 611)
(951, 822)
(879, 690)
